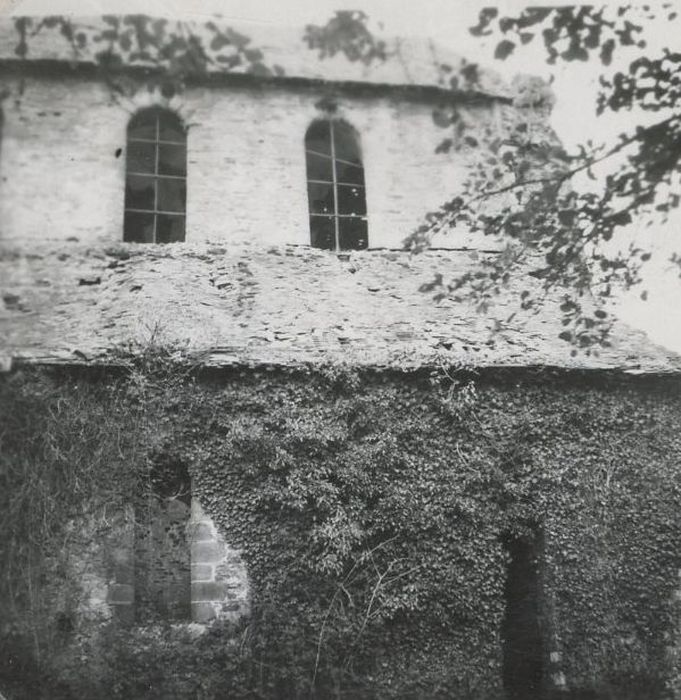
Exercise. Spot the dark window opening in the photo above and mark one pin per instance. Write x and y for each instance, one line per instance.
(335, 187)
(523, 650)
(156, 178)
(162, 547)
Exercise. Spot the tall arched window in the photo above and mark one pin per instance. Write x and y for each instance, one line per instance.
(335, 187)
(156, 178)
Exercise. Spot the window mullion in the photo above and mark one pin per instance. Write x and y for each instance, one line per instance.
(335, 188)
(156, 150)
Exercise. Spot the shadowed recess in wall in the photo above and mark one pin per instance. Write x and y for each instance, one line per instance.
(162, 552)
(523, 651)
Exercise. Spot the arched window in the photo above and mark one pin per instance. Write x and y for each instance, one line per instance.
(156, 178)
(335, 187)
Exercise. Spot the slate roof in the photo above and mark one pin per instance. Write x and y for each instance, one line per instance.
(292, 305)
(413, 62)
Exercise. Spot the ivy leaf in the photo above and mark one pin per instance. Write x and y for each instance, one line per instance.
(66, 30)
(606, 51)
(253, 55)
(444, 146)
(125, 41)
(504, 49)
(442, 118)
(567, 217)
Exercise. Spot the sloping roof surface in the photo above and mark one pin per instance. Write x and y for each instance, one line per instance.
(289, 305)
(412, 61)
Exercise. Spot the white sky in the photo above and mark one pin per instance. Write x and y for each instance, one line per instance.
(447, 22)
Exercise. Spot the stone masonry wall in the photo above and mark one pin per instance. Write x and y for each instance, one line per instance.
(218, 574)
(219, 580)
(120, 550)
(62, 168)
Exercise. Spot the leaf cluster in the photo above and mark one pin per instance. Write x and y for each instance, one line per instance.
(569, 32)
(346, 33)
(173, 51)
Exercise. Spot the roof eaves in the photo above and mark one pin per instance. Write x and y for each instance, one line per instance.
(56, 67)
(78, 361)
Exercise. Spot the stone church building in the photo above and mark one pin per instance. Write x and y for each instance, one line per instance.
(254, 223)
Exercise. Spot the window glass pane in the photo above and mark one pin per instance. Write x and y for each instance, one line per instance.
(169, 228)
(319, 168)
(322, 232)
(351, 200)
(171, 160)
(138, 228)
(141, 157)
(335, 186)
(353, 233)
(171, 194)
(321, 198)
(345, 143)
(318, 137)
(139, 192)
(143, 126)
(158, 182)
(354, 174)
(171, 128)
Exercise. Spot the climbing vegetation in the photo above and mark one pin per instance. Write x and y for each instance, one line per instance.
(371, 511)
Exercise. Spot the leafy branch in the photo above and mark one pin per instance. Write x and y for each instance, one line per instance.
(172, 51)
(519, 191)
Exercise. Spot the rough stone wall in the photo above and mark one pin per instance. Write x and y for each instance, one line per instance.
(63, 161)
(120, 551)
(230, 305)
(219, 579)
(106, 568)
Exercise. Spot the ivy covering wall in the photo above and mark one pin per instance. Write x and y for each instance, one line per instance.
(372, 511)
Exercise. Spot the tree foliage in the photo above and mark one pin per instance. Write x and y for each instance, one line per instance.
(569, 33)
(171, 51)
(522, 189)
(560, 231)
(347, 33)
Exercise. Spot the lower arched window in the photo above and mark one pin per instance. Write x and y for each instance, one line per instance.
(335, 187)
(156, 178)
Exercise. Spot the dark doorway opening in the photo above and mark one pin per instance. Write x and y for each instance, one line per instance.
(523, 643)
(162, 550)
